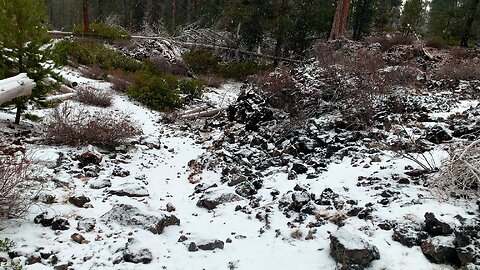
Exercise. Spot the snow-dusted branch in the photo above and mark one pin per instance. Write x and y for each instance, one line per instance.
(15, 87)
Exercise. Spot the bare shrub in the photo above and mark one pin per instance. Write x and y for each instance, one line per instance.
(178, 68)
(389, 42)
(436, 42)
(94, 97)
(76, 127)
(401, 76)
(460, 175)
(462, 53)
(456, 70)
(94, 72)
(279, 90)
(211, 80)
(16, 185)
(121, 80)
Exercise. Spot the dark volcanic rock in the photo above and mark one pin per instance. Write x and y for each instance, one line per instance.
(328, 197)
(437, 135)
(79, 201)
(60, 223)
(440, 250)
(352, 251)
(44, 218)
(211, 201)
(216, 244)
(192, 247)
(408, 235)
(435, 227)
(134, 252)
(127, 215)
(90, 156)
(299, 168)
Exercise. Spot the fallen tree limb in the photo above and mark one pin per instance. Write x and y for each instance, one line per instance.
(206, 46)
(203, 114)
(14, 87)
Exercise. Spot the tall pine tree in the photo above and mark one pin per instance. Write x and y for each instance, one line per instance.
(22, 33)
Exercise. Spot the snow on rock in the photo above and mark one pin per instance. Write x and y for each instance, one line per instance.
(127, 215)
(129, 190)
(350, 249)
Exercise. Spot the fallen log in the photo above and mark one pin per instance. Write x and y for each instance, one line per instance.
(203, 114)
(14, 87)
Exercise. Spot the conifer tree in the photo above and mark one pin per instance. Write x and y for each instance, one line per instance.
(413, 16)
(22, 33)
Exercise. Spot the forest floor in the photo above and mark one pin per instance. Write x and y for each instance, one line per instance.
(211, 194)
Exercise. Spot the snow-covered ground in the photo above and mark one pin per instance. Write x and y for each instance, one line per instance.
(249, 244)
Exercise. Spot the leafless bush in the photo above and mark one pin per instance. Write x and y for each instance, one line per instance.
(211, 80)
(389, 42)
(178, 68)
(120, 80)
(93, 72)
(401, 76)
(94, 97)
(460, 175)
(279, 90)
(79, 127)
(17, 185)
(456, 70)
(435, 42)
(462, 53)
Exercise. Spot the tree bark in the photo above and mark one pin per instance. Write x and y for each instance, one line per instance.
(174, 15)
(85, 17)
(469, 23)
(339, 26)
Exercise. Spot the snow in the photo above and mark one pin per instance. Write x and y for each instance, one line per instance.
(166, 174)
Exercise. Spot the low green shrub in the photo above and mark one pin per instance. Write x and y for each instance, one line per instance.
(201, 62)
(102, 30)
(91, 53)
(240, 70)
(163, 92)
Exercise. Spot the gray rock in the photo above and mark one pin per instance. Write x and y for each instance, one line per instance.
(86, 224)
(351, 250)
(120, 172)
(192, 247)
(134, 252)
(211, 201)
(127, 215)
(100, 183)
(129, 190)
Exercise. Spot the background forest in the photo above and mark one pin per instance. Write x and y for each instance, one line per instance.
(293, 24)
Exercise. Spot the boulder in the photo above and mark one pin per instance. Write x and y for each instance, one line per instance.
(60, 223)
(127, 215)
(435, 227)
(351, 250)
(100, 183)
(79, 201)
(129, 190)
(90, 156)
(86, 224)
(408, 235)
(211, 245)
(441, 250)
(211, 201)
(135, 252)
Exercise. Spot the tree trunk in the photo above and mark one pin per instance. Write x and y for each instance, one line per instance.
(468, 25)
(339, 26)
(85, 16)
(174, 15)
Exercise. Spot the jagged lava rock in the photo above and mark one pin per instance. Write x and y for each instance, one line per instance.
(350, 249)
(127, 215)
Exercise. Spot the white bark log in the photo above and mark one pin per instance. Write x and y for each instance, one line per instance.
(15, 87)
